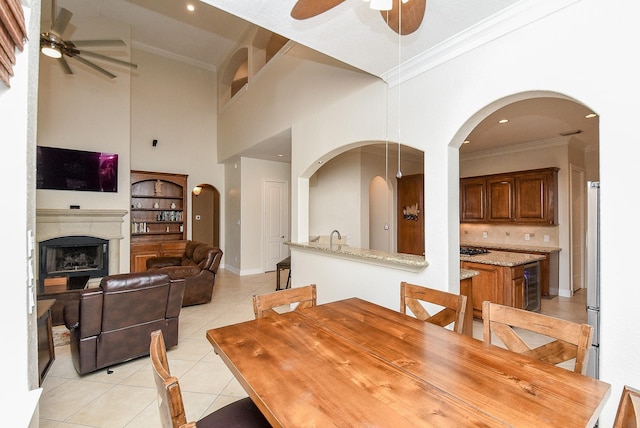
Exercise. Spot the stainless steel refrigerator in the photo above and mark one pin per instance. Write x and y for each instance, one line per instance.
(593, 274)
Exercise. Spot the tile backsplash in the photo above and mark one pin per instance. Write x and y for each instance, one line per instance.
(538, 236)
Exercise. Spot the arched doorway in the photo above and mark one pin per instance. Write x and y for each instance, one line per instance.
(205, 214)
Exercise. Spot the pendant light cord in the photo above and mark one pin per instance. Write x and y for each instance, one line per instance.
(399, 173)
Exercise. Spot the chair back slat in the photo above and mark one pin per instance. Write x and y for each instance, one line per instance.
(628, 414)
(452, 311)
(264, 304)
(170, 404)
(569, 340)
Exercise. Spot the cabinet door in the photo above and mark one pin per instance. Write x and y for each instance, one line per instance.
(500, 199)
(535, 197)
(172, 249)
(411, 214)
(472, 199)
(139, 255)
(487, 285)
(518, 290)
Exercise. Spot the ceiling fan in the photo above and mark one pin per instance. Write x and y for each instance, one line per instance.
(404, 16)
(53, 45)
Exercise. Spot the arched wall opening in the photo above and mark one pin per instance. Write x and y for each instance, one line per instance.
(575, 153)
(205, 214)
(341, 197)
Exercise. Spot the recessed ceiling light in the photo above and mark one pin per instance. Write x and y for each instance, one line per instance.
(590, 115)
(466, 142)
(280, 156)
(320, 162)
(191, 7)
(503, 121)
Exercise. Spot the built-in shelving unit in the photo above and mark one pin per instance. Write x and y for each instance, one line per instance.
(158, 212)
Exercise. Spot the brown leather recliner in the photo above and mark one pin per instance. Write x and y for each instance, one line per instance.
(112, 323)
(198, 266)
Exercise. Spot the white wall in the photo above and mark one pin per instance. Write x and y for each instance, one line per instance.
(182, 117)
(254, 172)
(575, 52)
(87, 111)
(336, 196)
(18, 106)
(233, 215)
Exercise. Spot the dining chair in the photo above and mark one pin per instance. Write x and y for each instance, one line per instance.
(572, 340)
(264, 304)
(453, 305)
(628, 415)
(241, 413)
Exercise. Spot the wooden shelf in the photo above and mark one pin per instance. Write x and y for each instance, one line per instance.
(158, 213)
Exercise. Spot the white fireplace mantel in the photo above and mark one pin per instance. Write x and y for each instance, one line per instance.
(104, 224)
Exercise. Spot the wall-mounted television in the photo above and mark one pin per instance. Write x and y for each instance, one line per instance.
(67, 169)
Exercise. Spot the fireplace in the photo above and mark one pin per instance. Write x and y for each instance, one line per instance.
(104, 225)
(75, 258)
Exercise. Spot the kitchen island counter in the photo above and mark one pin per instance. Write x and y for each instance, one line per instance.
(395, 260)
(502, 258)
(514, 247)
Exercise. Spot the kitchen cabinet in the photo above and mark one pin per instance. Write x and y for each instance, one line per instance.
(536, 195)
(472, 199)
(498, 284)
(466, 289)
(521, 197)
(500, 198)
(411, 214)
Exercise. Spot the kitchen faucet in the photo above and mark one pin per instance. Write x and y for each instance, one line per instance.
(331, 238)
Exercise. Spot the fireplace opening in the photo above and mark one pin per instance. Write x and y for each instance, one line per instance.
(72, 260)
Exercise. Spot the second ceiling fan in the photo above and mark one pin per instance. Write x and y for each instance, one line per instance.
(403, 16)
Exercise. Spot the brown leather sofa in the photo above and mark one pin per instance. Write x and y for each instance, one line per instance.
(198, 266)
(112, 323)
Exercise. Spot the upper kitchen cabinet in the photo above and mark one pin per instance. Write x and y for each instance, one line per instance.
(536, 196)
(528, 197)
(500, 198)
(473, 193)
(411, 214)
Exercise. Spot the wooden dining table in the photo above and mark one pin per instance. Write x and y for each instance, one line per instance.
(352, 363)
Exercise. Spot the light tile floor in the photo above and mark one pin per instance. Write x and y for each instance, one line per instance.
(127, 398)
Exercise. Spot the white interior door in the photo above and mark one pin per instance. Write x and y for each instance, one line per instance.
(276, 221)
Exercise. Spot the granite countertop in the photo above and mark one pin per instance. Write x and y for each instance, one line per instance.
(403, 261)
(502, 258)
(515, 247)
(467, 273)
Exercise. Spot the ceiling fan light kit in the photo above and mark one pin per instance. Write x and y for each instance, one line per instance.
(380, 4)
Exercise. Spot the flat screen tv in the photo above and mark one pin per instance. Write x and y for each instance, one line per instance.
(66, 169)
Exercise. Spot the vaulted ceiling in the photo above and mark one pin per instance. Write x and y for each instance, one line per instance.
(355, 34)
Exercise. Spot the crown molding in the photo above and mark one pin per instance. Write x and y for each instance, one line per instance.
(510, 19)
(173, 56)
(517, 148)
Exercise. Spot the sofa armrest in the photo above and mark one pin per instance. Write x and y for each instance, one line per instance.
(160, 262)
(71, 314)
(179, 272)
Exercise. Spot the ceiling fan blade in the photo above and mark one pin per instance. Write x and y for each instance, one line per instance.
(304, 9)
(412, 14)
(61, 22)
(95, 67)
(65, 65)
(97, 43)
(107, 58)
